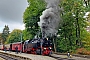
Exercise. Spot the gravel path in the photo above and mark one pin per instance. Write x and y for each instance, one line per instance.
(31, 56)
(64, 57)
(40, 57)
(37, 57)
(1, 58)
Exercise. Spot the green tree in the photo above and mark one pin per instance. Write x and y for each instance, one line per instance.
(86, 35)
(88, 17)
(26, 35)
(1, 39)
(15, 36)
(31, 17)
(87, 4)
(73, 24)
(5, 33)
(86, 40)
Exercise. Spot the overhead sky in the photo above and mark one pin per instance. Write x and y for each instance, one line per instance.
(11, 14)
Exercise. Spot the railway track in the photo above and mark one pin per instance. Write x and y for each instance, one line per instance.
(56, 56)
(7, 56)
(23, 56)
(61, 56)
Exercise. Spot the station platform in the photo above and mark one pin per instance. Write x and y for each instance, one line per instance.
(31, 56)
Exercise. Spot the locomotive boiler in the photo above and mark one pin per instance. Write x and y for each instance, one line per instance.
(38, 46)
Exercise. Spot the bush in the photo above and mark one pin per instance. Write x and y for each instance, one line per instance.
(83, 51)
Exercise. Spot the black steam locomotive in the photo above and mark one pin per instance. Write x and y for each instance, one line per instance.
(34, 46)
(38, 46)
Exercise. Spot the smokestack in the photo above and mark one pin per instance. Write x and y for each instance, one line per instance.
(50, 18)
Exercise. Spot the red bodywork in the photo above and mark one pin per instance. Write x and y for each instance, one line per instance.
(47, 51)
(7, 46)
(35, 47)
(1, 47)
(18, 44)
(28, 48)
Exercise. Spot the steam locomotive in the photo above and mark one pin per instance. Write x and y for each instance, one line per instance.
(34, 46)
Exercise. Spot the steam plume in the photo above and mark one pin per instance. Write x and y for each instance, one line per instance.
(50, 18)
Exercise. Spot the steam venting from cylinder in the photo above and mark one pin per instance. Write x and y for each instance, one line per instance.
(50, 18)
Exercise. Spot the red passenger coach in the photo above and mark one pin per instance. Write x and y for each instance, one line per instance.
(18, 44)
(1, 47)
(7, 46)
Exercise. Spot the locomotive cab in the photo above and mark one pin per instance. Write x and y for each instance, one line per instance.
(38, 46)
(29, 46)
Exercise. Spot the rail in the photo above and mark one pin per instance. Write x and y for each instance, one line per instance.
(8, 56)
(77, 55)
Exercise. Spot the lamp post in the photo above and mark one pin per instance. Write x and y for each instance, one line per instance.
(21, 43)
(54, 42)
(41, 42)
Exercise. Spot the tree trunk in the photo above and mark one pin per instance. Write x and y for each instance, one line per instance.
(54, 44)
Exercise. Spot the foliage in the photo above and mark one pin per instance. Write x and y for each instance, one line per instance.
(88, 17)
(1, 39)
(86, 40)
(87, 4)
(31, 17)
(5, 33)
(73, 25)
(26, 35)
(83, 51)
(15, 36)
